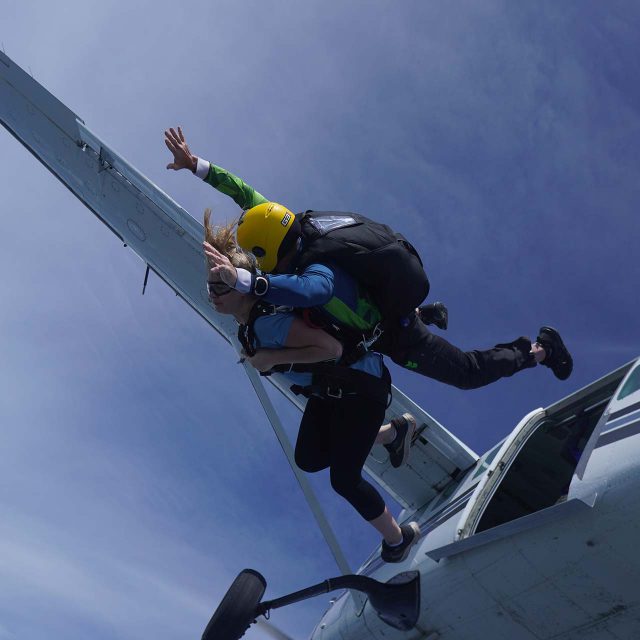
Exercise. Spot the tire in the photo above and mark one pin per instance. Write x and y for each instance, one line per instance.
(238, 608)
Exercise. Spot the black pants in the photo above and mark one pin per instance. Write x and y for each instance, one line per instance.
(338, 434)
(414, 347)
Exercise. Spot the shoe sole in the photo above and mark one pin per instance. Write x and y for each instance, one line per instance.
(553, 332)
(406, 444)
(443, 321)
(410, 421)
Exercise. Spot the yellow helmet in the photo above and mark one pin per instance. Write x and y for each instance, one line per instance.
(268, 231)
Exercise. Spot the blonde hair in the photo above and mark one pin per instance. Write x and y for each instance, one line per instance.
(223, 238)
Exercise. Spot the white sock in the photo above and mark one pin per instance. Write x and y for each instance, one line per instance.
(397, 544)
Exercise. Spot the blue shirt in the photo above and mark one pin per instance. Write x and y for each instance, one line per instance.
(271, 333)
(312, 288)
(331, 291)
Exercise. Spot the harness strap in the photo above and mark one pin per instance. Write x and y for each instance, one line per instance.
(355, 344)
(362, 347)
(246, 333)
(336, 382)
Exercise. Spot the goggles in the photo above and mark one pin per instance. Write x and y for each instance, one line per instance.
(218, 289)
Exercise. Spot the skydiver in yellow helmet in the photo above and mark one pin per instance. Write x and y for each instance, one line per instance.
(269, 231)
(304, 276)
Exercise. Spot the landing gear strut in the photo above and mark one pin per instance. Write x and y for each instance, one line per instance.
(397, 601)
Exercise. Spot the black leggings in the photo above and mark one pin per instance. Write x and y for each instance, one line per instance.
(338, 434)
(414, 347)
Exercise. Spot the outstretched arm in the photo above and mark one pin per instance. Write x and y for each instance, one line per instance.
(224, 181)
(182, 156)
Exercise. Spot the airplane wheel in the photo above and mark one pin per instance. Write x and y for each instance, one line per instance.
(238, 608)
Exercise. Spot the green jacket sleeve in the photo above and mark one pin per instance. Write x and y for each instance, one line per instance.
(225, 182)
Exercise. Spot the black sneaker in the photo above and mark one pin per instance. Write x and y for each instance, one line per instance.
(557, 356)
(435, 313)
(399, 448)
(410, 535)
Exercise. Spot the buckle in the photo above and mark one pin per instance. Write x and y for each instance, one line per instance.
(336, 392)
(375, 335)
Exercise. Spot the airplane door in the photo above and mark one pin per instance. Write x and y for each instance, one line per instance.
(616, 437)
(536, 474)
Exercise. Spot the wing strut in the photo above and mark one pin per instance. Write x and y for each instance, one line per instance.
(168, 240)
(314, 505)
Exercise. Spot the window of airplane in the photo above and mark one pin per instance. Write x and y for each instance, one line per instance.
(492, 454)
(484, 464)
(632, 384)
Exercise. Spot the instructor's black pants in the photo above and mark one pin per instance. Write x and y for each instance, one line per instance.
(414, 347)
(338, 434)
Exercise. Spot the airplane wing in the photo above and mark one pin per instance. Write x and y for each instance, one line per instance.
(168, 240)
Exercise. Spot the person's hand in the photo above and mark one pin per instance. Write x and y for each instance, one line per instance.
(182, 157)
(263, 360)
(220, 267)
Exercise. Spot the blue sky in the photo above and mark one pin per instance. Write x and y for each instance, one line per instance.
(139, 475)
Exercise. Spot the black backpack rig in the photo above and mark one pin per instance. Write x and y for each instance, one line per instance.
(384, 262)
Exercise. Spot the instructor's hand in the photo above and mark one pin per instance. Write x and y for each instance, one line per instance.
(182, 157)
(220, 267)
